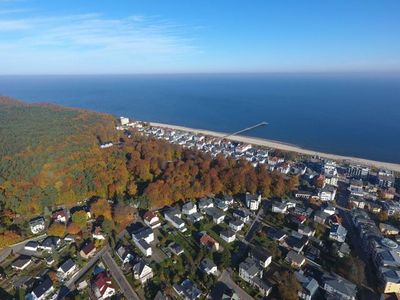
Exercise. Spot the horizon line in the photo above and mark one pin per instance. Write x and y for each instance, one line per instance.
(208, 73)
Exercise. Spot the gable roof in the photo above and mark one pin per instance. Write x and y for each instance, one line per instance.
(67, 265)
(43, 287)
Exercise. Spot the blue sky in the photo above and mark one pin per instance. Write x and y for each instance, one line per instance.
(168, 36)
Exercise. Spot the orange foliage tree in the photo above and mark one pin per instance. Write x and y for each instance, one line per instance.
(101, 207)
(56, 229)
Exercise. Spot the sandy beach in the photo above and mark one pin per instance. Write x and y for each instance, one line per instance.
(285, 147)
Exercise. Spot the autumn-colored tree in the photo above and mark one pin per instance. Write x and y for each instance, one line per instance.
(8, 238)
(278, 185)
(319, 181)
(131, 188)
(101, 207)
(73, 228)
(293, 183)
(288, 286)
(123, 215)
(80, 218)
(56, 229)
(53, 276)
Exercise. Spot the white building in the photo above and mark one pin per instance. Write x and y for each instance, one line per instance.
(124, 121)
(173, 217)
(142, 272)
(37, 225)
(253, 201)
(228, 236)
(189, 208)
(327, 193)
(66, 269)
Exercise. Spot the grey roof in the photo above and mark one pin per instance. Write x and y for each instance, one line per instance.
(139, 266)
(295, 257)
(207, 264)
(308, 283)
(43, 287)
(143, 233)
(50, 241)
(236, 222)
(189, 289)
(250, 266)
(260, 254)
(32, 244)
(214, 212)
(21, 261)
(340, 284)
(67, 265)
(228, 233)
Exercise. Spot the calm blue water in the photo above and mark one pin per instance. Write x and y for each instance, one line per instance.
(349, 114)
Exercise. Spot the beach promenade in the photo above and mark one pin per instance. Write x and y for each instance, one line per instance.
(282, 146)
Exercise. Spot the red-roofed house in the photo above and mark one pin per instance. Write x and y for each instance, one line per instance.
(59, 216)
(102, 286)
(88, 251)
(208, 242)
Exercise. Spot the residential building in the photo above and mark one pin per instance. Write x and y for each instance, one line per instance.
(195, 217)
(174, 218)
(189, 208)
(242, 215)
(216, 214)
(31, 246)
(253, 201)
(97, 234)
(386, 178)
(309, 286)
(207, 266)
(338, 233)
(236, 225)
(279, 207)
(176, 248)
(37, 225)
(327, 193)
(228, 235)
(388, 229)
(125, 255)
(50, 243)
(151, 219)
(59, 216)
(21, 263)
(295, 259)
(262, 256)
(142, 271)
(356, 188)
(249, 270)
(66, 269)
(88, 251)
(143, 246)
(390, 280)
(358, 172)
(102, 286)
(208, 242)
(143, 233)
(338, 287)
(188, 290)
(205, 203)
(42, 290)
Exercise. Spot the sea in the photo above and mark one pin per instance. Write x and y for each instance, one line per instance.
(353, 114)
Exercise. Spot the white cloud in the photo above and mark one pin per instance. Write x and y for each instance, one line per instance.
(66, 43)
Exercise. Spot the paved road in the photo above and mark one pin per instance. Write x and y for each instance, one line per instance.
(119, 277)
(254, 226)
(227, 280)
(71, 282)
(4, 253)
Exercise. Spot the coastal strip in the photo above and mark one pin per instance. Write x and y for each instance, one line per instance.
(283, 146)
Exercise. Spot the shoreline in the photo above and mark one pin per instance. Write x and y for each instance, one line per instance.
(283, 146)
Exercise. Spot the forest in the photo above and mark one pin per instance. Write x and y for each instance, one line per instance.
(50, 157)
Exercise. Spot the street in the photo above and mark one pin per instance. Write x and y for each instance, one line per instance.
(227, 280)
(118, 276)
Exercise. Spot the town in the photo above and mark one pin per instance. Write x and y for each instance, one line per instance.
(335, 237)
